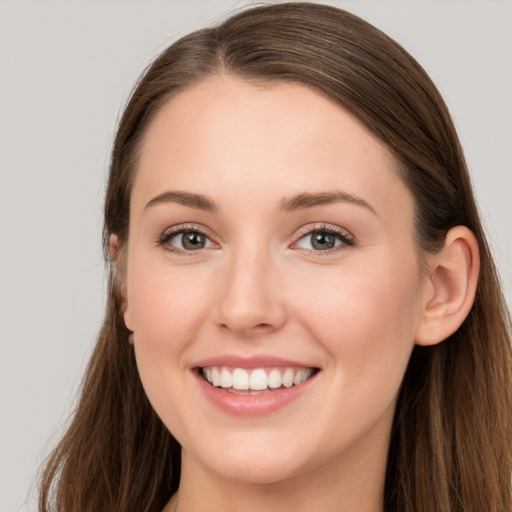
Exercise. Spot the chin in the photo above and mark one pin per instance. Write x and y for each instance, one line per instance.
(259, 463)
(265, 471)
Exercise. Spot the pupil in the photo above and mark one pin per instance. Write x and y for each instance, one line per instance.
(322, 241)
(193, 241)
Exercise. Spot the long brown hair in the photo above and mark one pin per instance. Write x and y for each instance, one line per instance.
(450, 448)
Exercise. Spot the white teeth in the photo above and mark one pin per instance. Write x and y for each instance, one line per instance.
(226, 378)
(240, 379)
(258, 379)
(215, 378)
(274, 379)
(306, 374)
(288, 378)
(298, 378)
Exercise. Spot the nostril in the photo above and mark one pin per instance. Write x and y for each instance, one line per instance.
(261, 328)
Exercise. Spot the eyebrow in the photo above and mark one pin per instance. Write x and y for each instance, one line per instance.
(309, 200)
(197, 201)
(300, 201)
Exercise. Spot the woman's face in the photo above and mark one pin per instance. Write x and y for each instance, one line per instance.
(270, 241)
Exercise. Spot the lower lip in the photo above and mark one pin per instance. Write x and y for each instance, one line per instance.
(252, 405)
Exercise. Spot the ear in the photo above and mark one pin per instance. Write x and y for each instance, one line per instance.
(113, 247)
(118, 258)
(452, 281)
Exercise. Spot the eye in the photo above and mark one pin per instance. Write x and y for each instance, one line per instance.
(324, 240)
(185, 240)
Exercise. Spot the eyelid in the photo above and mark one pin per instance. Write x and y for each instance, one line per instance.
(347, 238)
(170, 232)
(323, 226)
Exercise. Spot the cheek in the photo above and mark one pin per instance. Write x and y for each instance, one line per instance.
(366, 320)
(166, 306)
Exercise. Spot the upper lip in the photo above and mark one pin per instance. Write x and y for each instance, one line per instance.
(249, 362)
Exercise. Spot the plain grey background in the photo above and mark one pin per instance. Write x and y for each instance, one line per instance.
(66, 68)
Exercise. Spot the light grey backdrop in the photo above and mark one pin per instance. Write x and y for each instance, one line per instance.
(66, 67)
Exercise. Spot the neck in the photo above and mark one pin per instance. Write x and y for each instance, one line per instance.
(355, 485)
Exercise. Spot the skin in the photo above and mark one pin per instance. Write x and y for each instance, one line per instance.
(259, 287)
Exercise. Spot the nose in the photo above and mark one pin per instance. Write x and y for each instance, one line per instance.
(251, 301)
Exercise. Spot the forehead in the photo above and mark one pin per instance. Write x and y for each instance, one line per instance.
(225, 109)
(226, 136)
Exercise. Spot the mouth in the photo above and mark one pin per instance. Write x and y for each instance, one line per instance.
(255, 381)
(256, 385)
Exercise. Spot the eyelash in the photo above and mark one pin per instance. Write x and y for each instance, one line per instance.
(346, 239)
(179, 230)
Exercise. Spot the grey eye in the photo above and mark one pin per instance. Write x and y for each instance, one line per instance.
(192, 240)
(322, 240)
(186, 240)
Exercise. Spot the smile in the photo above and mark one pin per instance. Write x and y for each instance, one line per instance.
(255, 385)
(255, 380)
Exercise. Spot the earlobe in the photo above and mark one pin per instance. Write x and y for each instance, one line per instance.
(113, 247)
(127, 318)
(453, 278)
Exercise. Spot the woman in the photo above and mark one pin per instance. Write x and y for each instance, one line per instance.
(303, 312)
